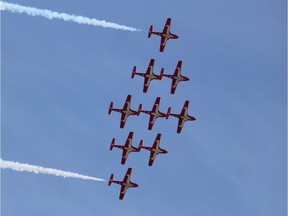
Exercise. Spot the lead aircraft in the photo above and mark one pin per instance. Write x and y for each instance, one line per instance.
(125, 184)
(155, 113)
(176, 77)
(127, 148)
(149, 75)
(183, 116)
(165, 34)
(154, 150)
(125, 111)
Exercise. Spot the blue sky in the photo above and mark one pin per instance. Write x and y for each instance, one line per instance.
(58, 79)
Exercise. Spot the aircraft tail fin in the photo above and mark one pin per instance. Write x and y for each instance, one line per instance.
(150, 31)
(112, 144)
(168, 112)
(133, 72)
(139, 109)
(161, 73)
(110, 108)
(110, 179)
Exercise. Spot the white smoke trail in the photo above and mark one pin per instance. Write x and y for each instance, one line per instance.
(15, 8)
(37, 169)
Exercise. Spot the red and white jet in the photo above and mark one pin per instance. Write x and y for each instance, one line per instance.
(155, 149)
(155, 113)
(183, 116)
(127, 148)
(125, 184)
(149, 75)
(125, 111)
(176, 77)
(165, 34)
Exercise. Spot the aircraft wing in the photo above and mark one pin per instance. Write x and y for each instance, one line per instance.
(155, 110)
(127, 175)
(178, 69)
(174, 85)
(122, 192)
(125, 180)
(166, 29)
(177, 73)
(149, 71)
(150, 66)
(156, 105)
(123, 120)
(180, 125)
(124, 156)
(155, 146)
(185, 108)
(129, 139)
(127, 103)
(163, 43)
(157, 141)
(152, 158)
(146, 84)
(151, 122)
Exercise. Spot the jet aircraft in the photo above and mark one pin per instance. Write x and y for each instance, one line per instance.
(127, 148)
(155, 149)
(155, 113)
(165, 34)
(176, 77)
(149, 75)
(125, 111)
(125, 184)
(183, 116)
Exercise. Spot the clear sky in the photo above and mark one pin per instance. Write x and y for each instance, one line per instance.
(59, 77)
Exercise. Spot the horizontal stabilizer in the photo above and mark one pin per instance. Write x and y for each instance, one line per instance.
(110, 108)
(112, 144)
(133, 72)
(139, 110)
(161, 73)
(150, 31)
(140, 145)
(168, 112)
(110, 179)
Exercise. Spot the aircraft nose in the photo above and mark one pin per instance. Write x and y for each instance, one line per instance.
(164, 151)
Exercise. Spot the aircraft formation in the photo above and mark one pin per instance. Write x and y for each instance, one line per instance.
(154, 113)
